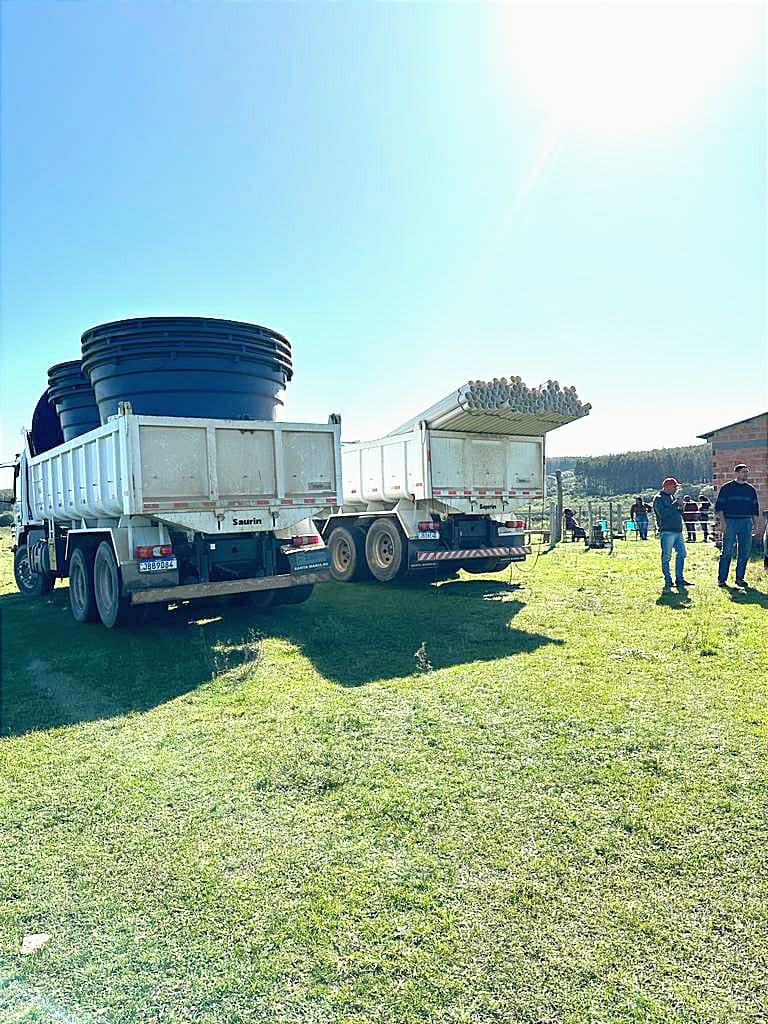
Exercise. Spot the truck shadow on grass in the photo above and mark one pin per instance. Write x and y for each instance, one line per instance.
(55, 672)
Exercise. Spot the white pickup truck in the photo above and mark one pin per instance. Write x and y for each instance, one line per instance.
(158, 509)
(445, 490)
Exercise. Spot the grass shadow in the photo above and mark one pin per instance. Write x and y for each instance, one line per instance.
(367, 632)
(55, 672)
(749, 596)
(674, 599)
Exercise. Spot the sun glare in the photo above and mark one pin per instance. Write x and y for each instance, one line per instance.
(628, 71)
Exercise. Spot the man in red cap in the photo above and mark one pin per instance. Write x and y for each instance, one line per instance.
(669, 521)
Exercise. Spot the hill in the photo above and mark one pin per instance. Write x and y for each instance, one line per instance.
(635, 472)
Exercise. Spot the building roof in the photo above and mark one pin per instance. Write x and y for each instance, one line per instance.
(738, 423)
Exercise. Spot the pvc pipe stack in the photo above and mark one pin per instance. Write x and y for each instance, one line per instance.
(503, 405)
(516, 396)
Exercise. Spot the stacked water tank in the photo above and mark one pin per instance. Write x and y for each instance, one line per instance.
(165, 366)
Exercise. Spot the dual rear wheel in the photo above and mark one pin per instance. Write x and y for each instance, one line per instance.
(263, 600)
(382, 553)
(480, 566)
(95, 588)
(355, 554)
(113, 607)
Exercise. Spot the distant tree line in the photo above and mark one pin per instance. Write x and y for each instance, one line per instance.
(628, 472)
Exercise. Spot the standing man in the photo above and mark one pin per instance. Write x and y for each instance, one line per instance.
(737, 510)
(669, 521)
(690, 515)
(639, 513)
(705, 507)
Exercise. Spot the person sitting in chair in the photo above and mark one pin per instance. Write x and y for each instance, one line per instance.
(577, 533)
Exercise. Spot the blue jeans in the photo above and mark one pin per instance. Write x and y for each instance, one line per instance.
(738, 534)
(642, 526)
(672, 542)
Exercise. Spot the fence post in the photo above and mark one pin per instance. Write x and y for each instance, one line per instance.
(557, 533)
(610, 523)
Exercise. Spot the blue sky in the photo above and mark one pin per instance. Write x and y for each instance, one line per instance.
(416, 195)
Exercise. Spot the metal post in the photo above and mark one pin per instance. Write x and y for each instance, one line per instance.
(557, 536)
(610, 523)
(554, 519)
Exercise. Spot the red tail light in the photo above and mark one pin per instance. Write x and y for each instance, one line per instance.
(155, 551)
(515, 524)
(428, 525)
(302, 542)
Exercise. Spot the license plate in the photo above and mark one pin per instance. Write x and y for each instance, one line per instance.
(157, 564)
(429, 535)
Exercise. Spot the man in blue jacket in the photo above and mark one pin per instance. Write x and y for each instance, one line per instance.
(669, 520)
(737, 510)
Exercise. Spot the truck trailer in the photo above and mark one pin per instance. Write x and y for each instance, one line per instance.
(150, 510)
(444, 491)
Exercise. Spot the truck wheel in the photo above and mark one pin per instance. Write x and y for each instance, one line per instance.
(29, 582)
(82, 602)
(480, 565)
(346, 551)
(258, 600)
(385, 550)
(295, 595)
(113, 608)
(447, 572)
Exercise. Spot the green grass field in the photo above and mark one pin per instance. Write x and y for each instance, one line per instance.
(458, 803)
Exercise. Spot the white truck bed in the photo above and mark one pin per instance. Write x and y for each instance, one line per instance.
(203, 474)
(467, 471)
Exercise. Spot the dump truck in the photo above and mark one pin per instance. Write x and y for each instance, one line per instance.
(152, 510)
(445, 490)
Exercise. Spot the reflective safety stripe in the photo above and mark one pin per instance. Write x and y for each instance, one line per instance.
(439, 556)
(484, 492)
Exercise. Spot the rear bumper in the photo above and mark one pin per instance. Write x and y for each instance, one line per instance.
(189, 591)
(514, 554)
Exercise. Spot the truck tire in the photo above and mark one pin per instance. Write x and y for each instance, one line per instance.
(346, 551)
(82, 602)
(481, 565)
(261, 600)
(30, 583)
(114, 609)
(385, 550)
(444, 572)
(294, 595)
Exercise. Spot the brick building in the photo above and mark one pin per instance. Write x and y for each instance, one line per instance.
(745, 441)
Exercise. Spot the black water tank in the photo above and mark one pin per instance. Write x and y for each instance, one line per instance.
(187, 366)
(72, 395)
(46, 430)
